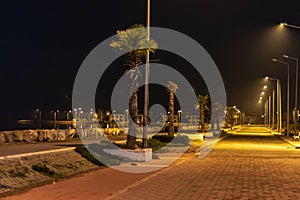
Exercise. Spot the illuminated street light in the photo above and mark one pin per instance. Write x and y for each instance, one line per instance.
(288, 93)
(282, 24)
(265, 87)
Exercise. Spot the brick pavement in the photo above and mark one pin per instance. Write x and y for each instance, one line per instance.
(240, 167)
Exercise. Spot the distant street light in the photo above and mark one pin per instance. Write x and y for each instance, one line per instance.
(289, 25)
(279, 113)
(296, 87)
(288, 93)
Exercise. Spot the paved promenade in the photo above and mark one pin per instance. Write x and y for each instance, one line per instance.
(250, 164)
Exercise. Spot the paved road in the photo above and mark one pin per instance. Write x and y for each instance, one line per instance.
(21, 148)
(250, 164)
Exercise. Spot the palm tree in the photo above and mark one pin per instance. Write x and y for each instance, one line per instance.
(202, 106)
(172, 87)
(135, 43)
(231, 115)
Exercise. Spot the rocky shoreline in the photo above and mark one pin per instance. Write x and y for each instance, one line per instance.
(39, 135)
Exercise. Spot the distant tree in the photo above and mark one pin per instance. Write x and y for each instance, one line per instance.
(202, 102)
(231, 115)
(134, 40)
(172, 87)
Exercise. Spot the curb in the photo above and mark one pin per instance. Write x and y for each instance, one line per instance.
(36, 153)
(286, 141)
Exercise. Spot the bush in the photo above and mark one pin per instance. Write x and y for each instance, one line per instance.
(87, 155)
(163, 138)
(155, 144)
(97, 156)
(182, 139)
(45, 170)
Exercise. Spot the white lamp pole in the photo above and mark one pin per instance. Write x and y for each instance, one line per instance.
(288, 93)
(296, 86)
(147, 74)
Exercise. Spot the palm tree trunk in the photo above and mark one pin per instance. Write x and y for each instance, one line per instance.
(171, 115)
(202, 116)
(133, 111)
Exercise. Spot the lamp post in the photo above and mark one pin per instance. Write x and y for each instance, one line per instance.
(279, 115)
(296, 87)
(288, 93)
(147, 74)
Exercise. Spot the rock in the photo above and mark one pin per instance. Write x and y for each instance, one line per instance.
(33, 134)
(26, 136)
(9, 136)
(2, 138)
(61, 135)
(41, 135)
(70, 133)
(51, 135)
(18, 136)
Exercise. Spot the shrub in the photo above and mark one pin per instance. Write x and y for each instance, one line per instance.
(87, 155)
(97, 156)
(182, 139)
(163, 138)
(45, 170)
(155, 144)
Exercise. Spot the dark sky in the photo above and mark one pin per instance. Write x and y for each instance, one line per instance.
(43, 43)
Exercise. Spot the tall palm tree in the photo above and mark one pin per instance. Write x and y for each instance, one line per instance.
(134, 41)
(202, 102)
(172, 87)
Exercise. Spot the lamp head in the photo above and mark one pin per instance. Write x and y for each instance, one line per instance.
(274, 60)
(283, 24)
(285, 56)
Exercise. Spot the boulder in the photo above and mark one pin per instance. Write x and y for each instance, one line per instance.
(41, 135)
(9, 136)
(2, 138)
(18, 136)
(27, 136)
(33, 134)
(50, 135)
(61, 135)
(70, 133)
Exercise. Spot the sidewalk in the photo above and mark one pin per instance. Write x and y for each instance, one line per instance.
(289, 140)
(102, 183)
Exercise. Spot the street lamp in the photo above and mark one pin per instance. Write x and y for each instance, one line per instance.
(289, 25)
(147, 74)
(296, 86)
(288, 93)
(279, 113)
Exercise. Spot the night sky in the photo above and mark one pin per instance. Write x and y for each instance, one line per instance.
(43, 43)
